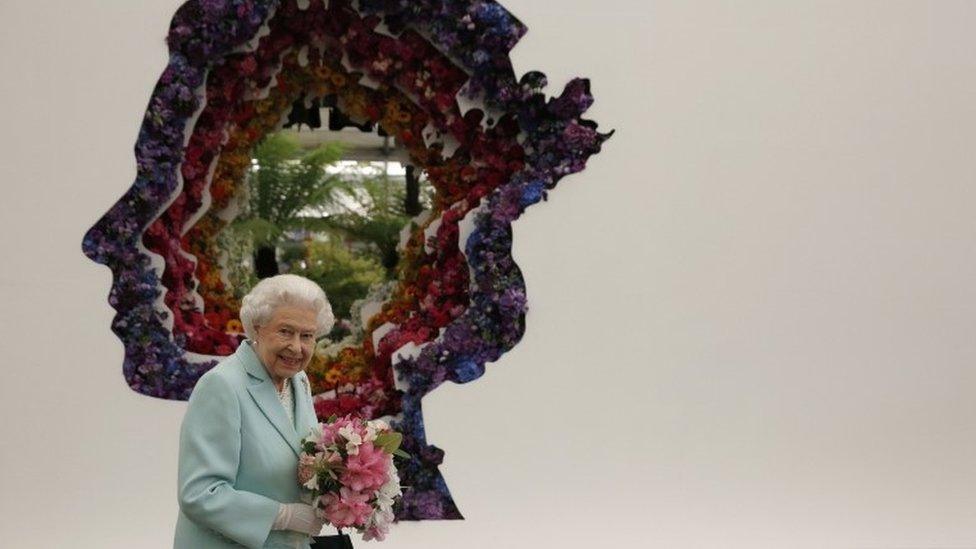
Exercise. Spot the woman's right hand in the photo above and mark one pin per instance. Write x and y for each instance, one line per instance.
(298, 517)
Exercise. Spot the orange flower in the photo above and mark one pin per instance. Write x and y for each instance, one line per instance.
(322, 72)
(332, 376)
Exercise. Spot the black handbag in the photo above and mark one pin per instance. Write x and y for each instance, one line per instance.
(338, 541)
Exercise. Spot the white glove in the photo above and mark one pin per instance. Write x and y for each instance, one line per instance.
(299, 518)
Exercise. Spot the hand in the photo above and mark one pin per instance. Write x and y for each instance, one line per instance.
(298, 517)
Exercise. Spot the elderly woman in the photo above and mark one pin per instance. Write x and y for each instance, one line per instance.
(240, 439)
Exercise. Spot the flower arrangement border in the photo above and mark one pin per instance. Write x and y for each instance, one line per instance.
(461, 300)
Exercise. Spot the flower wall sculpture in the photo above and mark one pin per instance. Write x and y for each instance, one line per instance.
(235, 69)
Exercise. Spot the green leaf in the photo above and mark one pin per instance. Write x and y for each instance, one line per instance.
(262, 231)
(389, 441)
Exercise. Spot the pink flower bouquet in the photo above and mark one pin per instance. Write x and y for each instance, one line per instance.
(347, 463)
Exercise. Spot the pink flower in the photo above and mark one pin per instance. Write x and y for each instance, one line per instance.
(375, 532)
(330, 431)
(367, 469)
(306, 468)
(349, 508)
(331, 458)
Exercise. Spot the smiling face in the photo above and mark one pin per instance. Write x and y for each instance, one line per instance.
(285, 342)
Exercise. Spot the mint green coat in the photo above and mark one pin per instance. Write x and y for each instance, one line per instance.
(239, 457)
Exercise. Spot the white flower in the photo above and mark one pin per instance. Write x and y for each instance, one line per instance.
(353, 440)
(378, 524)
(375, 427)
(390, 489)
(313, 483)
(383, 517)
(383, 501)
(315, 436)
(392, 475)
(380, 518)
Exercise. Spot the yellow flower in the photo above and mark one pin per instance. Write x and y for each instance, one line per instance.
(332, 376)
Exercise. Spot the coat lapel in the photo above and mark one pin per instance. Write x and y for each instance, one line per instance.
(305, 417)
(266, 397)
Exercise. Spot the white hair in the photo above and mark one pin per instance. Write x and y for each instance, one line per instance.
(285, 289)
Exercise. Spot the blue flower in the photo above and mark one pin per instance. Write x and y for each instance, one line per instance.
(466, 370)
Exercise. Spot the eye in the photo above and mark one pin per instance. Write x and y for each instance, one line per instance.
(286, 332)
(308, 336)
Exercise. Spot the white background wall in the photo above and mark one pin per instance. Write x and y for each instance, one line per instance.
(750, 318)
